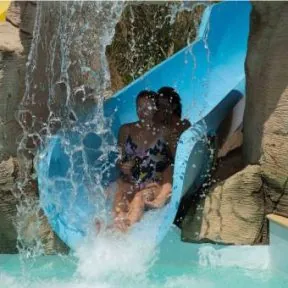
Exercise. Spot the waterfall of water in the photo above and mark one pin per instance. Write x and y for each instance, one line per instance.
(67, 72)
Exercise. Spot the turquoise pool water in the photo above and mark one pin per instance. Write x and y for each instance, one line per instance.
(172, 265)
(61, 272)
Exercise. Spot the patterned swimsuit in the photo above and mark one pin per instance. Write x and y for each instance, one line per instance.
(148, 163)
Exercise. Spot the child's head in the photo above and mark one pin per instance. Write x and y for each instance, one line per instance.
(146, 107)
(168, 104)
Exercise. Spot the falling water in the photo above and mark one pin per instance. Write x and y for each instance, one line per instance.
(67, 73)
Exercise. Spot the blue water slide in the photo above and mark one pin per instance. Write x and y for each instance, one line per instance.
(209, 76)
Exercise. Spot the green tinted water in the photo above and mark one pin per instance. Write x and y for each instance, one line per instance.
(61, 272)
(108, 263)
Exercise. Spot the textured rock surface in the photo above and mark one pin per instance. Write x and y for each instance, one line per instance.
(229, 214)
(22, 15)
(15, 41)
(29, 224)
(8, 235)
(148, 34)
(266, 116)
(12, 70)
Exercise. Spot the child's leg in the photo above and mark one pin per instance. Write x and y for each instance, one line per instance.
(121, 206)
(136, 209)
(120, 201)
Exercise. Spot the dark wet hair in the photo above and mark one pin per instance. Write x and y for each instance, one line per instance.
(146, 94)
(173, 97)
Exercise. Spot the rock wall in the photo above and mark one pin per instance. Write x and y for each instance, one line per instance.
(266, 115)
(229, 214)
(14, 49)
(15, 40)
(8, 202)
(147, 34)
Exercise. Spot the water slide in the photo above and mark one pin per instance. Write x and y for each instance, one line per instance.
(209, 76)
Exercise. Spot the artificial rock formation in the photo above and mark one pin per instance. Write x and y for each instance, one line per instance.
(229, 214)
(15, 40)
(13, 56)
(147, 34)
(266, 116)
(8, 201)
(12, 71)
(21, 223)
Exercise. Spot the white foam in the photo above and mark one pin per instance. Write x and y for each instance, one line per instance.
(247, 257)
(117, 257)
(8, 281)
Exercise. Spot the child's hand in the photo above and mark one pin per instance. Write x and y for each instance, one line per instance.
(156, 204)
(150, 191)
(159, 201)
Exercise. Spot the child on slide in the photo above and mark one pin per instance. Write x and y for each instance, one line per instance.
(145, 165)
(147, 152)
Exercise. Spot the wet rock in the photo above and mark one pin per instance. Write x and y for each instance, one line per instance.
(8, 235)
(266, 116)
(17, 227)
(229, 214)
(35, 231)
(22, 14)
(12, 67)
(147, 34)
(22, 222)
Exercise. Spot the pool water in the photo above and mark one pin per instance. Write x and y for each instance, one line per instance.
(172, 265)
(60, 272)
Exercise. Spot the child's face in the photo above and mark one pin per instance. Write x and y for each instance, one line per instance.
(146, 109)
(165, 110)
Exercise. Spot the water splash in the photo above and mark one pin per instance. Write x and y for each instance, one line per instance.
(116, 258)
(235, 256)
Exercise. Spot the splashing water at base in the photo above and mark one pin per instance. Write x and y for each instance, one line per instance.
(115, 257)
(110, 263)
